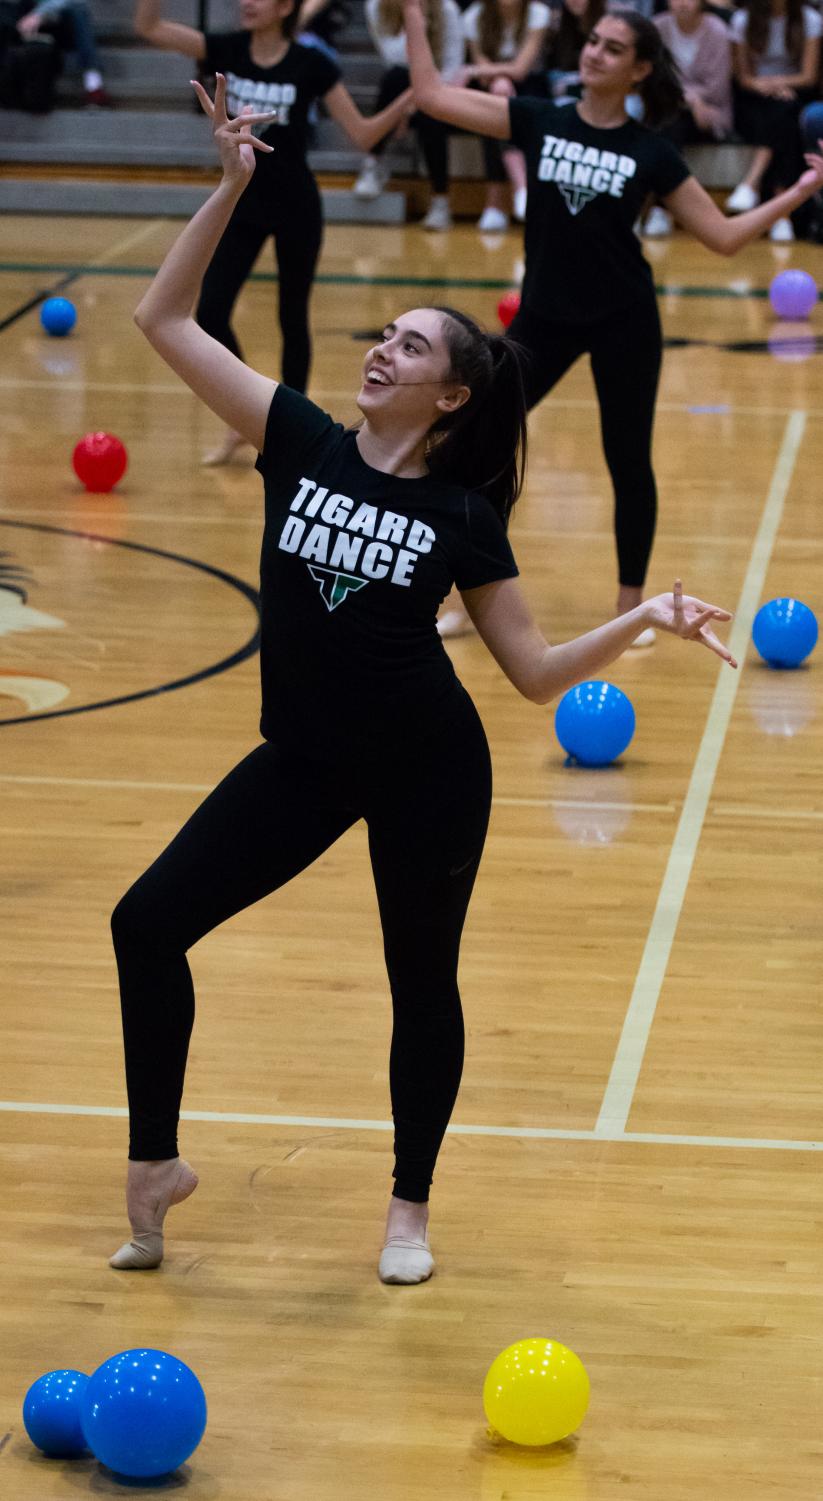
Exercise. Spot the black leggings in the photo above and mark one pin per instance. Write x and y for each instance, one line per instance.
(427, 811)
(625, 355)
(774, 123)
(297, 239)
(433, 135)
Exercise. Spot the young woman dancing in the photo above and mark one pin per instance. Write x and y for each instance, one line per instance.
(363, 716)
(264, 66)
(587, 287)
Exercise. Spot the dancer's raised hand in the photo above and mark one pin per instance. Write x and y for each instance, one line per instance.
(233, 137)
(689, 618)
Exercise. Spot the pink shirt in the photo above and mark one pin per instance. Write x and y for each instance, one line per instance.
(710, 73)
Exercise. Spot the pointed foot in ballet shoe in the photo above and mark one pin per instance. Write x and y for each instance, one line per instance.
(405, 1261)
(144, 1251)
(645, 639)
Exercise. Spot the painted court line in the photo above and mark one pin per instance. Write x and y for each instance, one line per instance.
(617, 1100)
(560, 403)
(345, 1123)
(506, 802)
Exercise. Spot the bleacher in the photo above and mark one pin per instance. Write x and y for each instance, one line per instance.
(152, 153)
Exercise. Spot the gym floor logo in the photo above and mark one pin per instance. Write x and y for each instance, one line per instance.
(16, 614)
(41, 696)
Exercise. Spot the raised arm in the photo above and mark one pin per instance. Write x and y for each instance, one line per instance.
(698, 213)
(364, 131)
(540, 671)
(238, 394)
(169, 35)
(487, 114)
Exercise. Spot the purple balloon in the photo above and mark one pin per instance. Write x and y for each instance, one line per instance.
(793, 294)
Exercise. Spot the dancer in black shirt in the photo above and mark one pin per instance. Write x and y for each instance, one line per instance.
(587, 287)
(267, 70)
(363, 716)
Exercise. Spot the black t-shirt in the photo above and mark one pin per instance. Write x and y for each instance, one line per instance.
(354, 566)
(586, 189)
(303, 75)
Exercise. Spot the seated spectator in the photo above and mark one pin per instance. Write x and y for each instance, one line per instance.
(776, 53)
(701, 47)
(384, 19)
(69, 22)
(570, 26)
(506, 41)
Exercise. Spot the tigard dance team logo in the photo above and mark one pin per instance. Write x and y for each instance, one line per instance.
(335, 586)
(577, 198)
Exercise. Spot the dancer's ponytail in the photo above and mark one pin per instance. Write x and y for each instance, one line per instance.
(662, 88)
(482, 445)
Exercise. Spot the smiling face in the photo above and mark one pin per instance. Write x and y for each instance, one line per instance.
(608, 61)
(407, 375)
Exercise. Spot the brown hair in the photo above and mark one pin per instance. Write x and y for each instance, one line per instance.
(490, 30)
(757, 27)
(390, 23)
(482, 445)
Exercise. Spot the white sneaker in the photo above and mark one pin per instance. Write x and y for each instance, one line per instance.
(439, 215)
(742, 199)
(781, 232)
(492, 221)
(520, 198)
(658, 224)
(372, 178)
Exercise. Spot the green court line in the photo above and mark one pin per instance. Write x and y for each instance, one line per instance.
(466, 283)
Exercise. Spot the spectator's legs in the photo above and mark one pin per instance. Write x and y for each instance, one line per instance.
(374, 174)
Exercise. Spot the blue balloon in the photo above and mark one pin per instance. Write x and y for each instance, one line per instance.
(811, 126)
(594, 723)
(51, 1413)
(144, 1413)
(784, 632)
(58, 316)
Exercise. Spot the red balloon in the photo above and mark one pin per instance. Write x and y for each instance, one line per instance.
(507, 307)
(100, 460)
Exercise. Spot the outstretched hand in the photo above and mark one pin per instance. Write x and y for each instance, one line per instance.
(689, 618)
(233, 138)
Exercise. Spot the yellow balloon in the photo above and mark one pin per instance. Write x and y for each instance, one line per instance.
(536, 1392)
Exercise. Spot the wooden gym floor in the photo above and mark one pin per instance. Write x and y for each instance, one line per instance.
(635, 1165)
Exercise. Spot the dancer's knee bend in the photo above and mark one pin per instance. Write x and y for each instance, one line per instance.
(142, 926)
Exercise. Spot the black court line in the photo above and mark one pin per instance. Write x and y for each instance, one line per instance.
(487, 284)
(33, 302)
(248, 650)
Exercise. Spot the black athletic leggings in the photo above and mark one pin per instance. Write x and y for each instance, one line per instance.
(775, 123)
(297, 238)
(433, 135)
(625, 355)
(426, 807)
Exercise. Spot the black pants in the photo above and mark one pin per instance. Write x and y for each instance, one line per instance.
(427, 811)
(625, 353)
(297, 233)
(433, 135)
(774, 123)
